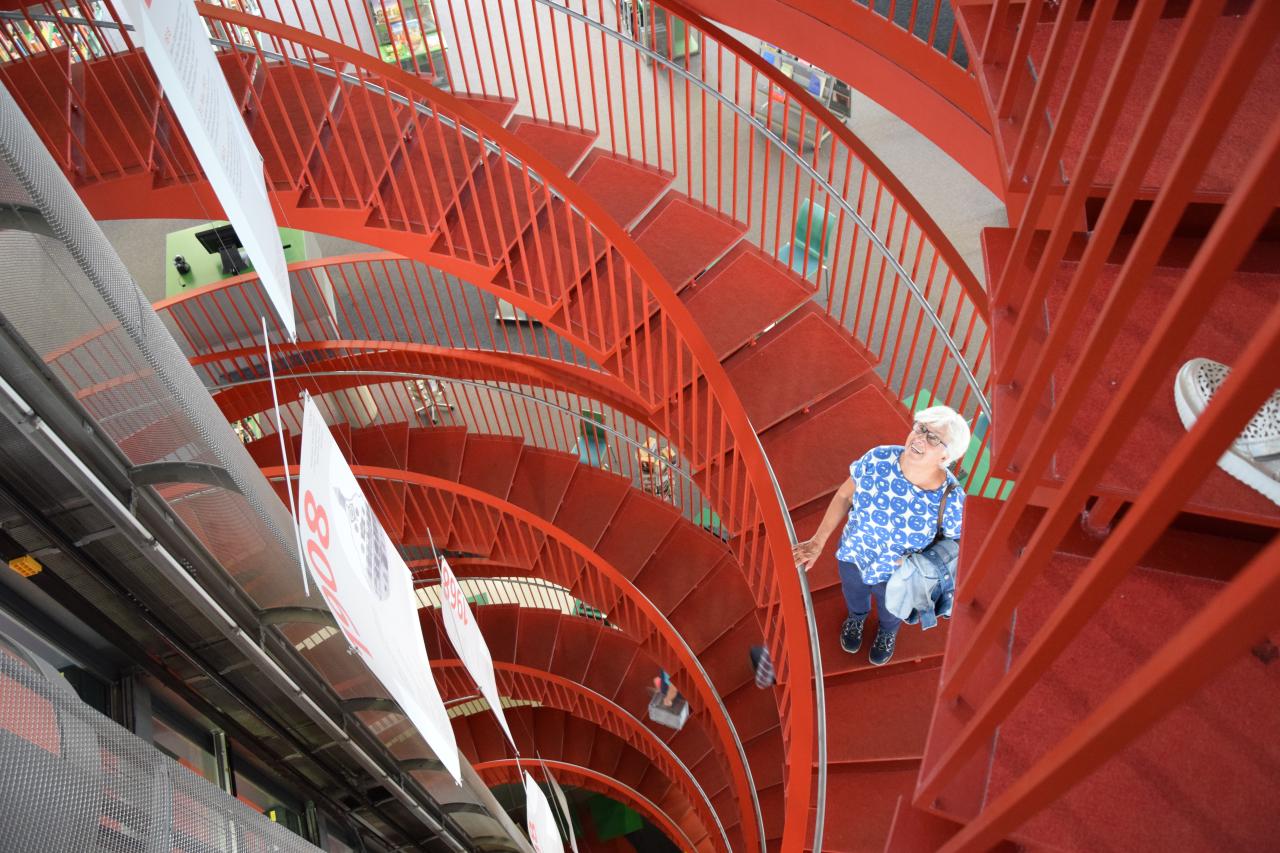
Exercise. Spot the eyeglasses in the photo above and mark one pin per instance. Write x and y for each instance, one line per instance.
(932, 438)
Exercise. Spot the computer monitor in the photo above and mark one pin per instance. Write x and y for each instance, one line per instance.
(223, 242)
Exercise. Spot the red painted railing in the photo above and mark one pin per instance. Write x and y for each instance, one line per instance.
(1063, 78)
(552, 691)
(619, 310)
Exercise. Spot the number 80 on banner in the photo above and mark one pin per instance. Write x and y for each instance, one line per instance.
(317, 551)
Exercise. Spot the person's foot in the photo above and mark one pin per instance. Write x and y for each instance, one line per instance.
(851, 634)
(1254, 457)
(882, 647)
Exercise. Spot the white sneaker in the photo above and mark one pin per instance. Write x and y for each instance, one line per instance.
(1254, 457)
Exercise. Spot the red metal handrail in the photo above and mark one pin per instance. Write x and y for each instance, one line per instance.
(550, 690)
(998, 575)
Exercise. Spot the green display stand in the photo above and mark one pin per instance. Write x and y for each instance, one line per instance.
(206, 268)
(611, 818)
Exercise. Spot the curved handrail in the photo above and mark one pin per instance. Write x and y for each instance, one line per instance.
(756, 506)
(646, 609)
(513, 676)
(609, 786)
(688, 498)
(899, 192)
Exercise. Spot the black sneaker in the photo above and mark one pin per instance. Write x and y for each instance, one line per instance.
(851, 634)
(881, 647)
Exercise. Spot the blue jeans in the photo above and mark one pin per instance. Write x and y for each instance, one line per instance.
(858, 594)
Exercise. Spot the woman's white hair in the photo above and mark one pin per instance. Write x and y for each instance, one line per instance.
(949, 424)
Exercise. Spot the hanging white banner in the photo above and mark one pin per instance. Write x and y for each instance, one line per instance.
(562, 803)
(367, 585)
(468, 642)
(542, 823)
(174, 38)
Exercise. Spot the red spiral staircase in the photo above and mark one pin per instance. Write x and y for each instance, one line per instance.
(929, 752)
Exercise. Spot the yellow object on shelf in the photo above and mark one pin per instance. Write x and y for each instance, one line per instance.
(26, 565)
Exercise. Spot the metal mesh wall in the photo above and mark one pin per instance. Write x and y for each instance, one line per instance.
(71, 779)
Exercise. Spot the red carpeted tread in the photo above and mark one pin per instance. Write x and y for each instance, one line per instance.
(794, 366)
(754, 711)
(612, 659)
(625, 188)
(892, 711)
(426, 176)
(913, 647)
(590, 504)
(679, 564)
(384, 447)
(120, 102)
(578, 733)
(767, 759)
(1202, 778)
(437, 453)
(680, 236)
(361, 137)
(496, 206)
(496, 108)
(563, 145)
(714, 607)
(726, 660)
(1243, 134)
(499, 623)
(575, 646)
(812, 457)
(535, 637)
(41, 86)
(876, 791)
(298, 99)
(548, 729)
(489, 463)
(641, 523)
(1244, 299)
(741, 295)
(541, 481)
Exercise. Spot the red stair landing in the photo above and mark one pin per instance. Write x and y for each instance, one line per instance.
(1243, 301)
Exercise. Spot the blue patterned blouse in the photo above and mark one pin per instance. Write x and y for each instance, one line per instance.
(891, 515)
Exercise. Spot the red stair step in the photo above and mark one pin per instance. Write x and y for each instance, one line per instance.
(362, 136)
(548, 729)
(714, 607)
(913, 647)
(612, 659)
(812, 456)
(741, 295)
(625, 188)
(563, 145)
(41, 84)
(590, 504)
(384, 447)
(536, 637)
(499, 624)
(877, 791)
(578, 733)
(631, 768)
(1244, 299)
(797, 364)
(427, 175)
(892, 711)
(1212, 755)
(120, 103)
(436, 452)
(754, 711)
(489, 463)
(767, 759)
(1243, 134)
(679, 564)
(575, 646)
(606, 752)
(541, 481)
(681, 237)
(726, 660)
(496, 108)
(285, 119)
(642, 523)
